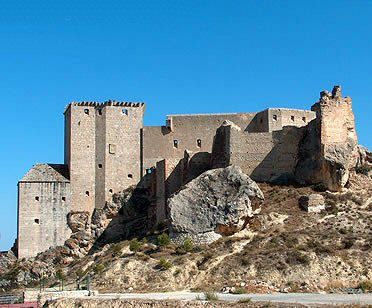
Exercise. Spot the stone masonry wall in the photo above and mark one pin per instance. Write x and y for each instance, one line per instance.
(269, 156)
(121, 146)
(158, 141)
(103, 152)
(82, 156)
(42, 216)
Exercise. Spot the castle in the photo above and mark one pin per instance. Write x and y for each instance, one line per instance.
(108, 149)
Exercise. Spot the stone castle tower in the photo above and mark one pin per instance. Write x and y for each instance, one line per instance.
(102, 150)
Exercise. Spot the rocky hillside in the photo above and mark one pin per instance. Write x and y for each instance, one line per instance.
(282, 247)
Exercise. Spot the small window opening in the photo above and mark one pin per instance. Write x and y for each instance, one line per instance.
(275, 117)
(304, 119)
(292, 118)
(130, 176)
(63, 198)
(99, 111)
(86, 111)
(87, 193)
(148, 170)
(175, 144)
(198, 143)
(37, 221)
(37, 198)
(261, 120)
(100, 166)
(125, 111)
(112, 148)
(110, 191)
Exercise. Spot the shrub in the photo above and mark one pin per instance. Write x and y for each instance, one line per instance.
(116, 249)
(297, 257)
(240, 291)
(98, 269)
(163, 240)
(187, 246)
(211, 296)
(135, 245)
(348, 243)
(366, 285)
(320, 187)
(245, 300)
(79, 273)
(164, 264)
(363, 169)
(60, 275)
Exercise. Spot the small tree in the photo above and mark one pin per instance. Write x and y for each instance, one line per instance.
(163, 240)
(61, 277)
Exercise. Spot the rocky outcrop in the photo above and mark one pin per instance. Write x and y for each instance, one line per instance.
(124, 217)
(77, 220)
(218, 202)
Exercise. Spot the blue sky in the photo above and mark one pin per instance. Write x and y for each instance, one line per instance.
(177, 56)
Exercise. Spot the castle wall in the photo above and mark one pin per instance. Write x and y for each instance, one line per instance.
(42, 216)
(280, 117)
(264, 156)
(158, 141)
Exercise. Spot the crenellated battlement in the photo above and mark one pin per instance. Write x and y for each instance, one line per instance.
(97, 105)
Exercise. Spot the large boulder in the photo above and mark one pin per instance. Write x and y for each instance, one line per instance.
(218, 202)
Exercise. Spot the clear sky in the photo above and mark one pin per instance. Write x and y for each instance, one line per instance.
(177, 56)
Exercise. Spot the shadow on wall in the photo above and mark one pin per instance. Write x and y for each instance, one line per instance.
(259, 123)
(279, 165)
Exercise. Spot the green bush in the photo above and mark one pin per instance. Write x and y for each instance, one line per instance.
(116, 249)
(245, 300)
(60, 275)
(364, 169)
(211, 296)
(240, 291)
(164, 264)
(135, 245)
(98, 269)
(366, 285)
(187, 246)
(163, 240)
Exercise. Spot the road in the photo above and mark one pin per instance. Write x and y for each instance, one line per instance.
(301, 298)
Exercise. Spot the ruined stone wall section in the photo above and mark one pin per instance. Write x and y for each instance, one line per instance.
(42, 216)
(337, 123)
(266, 156)
(159, 141)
